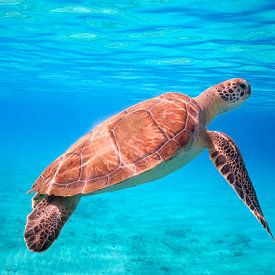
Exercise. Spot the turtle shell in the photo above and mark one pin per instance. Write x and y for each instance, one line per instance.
(124, 146)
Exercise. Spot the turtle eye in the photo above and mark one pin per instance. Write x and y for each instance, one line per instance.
(243, 86)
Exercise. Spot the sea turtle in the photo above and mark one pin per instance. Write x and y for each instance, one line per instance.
(142, 143)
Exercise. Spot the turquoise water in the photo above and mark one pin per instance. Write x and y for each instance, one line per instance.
(65, 66)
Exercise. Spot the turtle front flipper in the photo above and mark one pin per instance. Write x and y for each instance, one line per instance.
(46, 220)
(227, 158)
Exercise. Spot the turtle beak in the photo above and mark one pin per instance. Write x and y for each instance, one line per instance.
(249, 89)
(247, 93)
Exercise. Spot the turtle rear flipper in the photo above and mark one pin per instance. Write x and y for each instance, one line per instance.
(46, 220)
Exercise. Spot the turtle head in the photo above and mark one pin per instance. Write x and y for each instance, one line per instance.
(231, 93)
(223, 97)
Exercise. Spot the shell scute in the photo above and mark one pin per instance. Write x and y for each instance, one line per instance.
(77, 186)
(170, 117)
(99, 157)
(148, 162)
(94, 185)
(120, 175)
(138, 135)
(69, 169)
(169, 149)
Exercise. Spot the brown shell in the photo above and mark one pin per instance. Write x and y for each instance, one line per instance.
(126, 145)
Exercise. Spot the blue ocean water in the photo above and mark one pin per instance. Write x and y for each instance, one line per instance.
(65, 66)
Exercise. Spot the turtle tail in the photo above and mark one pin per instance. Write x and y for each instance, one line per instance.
(46, 220)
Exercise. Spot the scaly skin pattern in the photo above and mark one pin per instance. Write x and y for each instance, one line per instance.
(126, 145)
(46, 221)
(230, 91)
(227, 158)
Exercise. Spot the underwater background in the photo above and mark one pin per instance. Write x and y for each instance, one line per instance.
(65, 66)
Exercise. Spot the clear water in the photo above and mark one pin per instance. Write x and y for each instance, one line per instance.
(67, 65)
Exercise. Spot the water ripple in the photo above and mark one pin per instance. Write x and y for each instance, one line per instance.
(80, 48)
